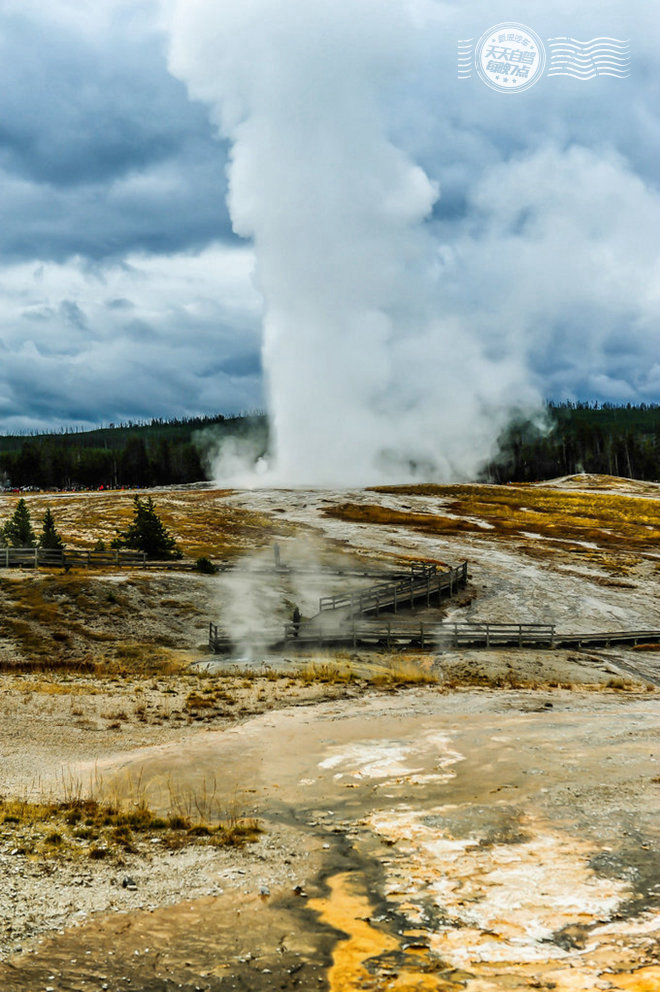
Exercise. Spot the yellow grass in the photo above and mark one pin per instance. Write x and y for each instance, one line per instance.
(201, 521)
(76, 622)
(611, 521)
(84, 827)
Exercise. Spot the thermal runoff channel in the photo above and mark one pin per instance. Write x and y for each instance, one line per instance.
(365, 377)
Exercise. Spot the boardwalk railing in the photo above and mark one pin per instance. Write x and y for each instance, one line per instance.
(424, 634)
(608, 638)
(460, 635)
(424, 581)
(50, 558)
(491, 634)
(438, 635)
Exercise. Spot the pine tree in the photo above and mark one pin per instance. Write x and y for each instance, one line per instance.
(50, 537)
(147, 532)
(18, 531)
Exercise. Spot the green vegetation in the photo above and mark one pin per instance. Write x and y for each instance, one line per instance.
(571, 438)
(50, 537)
(158, 453)
(17, 532)
(601, 439)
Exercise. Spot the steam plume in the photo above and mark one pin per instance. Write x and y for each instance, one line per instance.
(366, 380)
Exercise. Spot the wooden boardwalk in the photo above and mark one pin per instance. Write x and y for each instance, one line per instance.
(424, 583)
(395, 633)
(419, 585)
(370, 619)
(462, 635)
(608, 638)
(435, 636)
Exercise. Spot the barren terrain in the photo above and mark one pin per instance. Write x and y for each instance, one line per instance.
(448, 820)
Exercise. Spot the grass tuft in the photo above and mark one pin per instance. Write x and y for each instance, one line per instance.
(62, 828)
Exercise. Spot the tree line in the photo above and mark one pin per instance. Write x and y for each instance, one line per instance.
(160, 453)
(570, 438)
(602, 439)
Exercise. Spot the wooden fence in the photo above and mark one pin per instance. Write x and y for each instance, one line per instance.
(50, 558)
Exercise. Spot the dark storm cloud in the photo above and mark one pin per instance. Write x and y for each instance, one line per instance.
(182, 338)
(101, 152)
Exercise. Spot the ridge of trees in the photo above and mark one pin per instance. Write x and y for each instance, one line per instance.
(570, 437)
(599, 438)
(158, 453)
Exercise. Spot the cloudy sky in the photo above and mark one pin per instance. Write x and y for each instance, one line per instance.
(124, 292)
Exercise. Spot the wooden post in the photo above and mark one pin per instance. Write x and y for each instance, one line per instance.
(487, 635)
(428, 589)
(421, 634)
(354, 637)
(36, 557)
(519, 635)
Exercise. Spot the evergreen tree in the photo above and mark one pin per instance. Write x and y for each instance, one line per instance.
(18, 531)
(147, 532)
(50, 538)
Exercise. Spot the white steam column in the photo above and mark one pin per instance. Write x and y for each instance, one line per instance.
(365, 380)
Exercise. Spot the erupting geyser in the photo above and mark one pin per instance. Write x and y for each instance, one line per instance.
(365, 378)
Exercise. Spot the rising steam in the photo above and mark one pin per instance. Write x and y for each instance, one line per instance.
(365, 378)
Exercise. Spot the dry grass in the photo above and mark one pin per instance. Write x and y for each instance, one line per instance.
(403, 674)
(612, 521)
(325, 672)
(372, 513)
(472, 676)
(377, 673)
(82, 623)
(622, 685)
(201, 521)
(84, 826)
